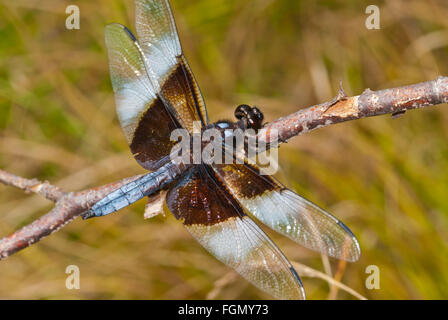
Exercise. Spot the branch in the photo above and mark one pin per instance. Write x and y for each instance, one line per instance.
(370, 103)
(395, 101)
(68, 207)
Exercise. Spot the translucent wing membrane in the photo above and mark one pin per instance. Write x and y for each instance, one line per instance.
(287, 213)
(157, 35)
(217, 221)
(167, 66)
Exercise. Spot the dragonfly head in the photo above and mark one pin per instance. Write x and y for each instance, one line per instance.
(251, 117)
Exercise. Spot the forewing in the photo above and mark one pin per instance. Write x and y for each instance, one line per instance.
(218, 223)
(167, 67)
(288, 213)
(146, 122)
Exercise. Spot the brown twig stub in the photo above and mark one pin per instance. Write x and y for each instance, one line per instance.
(369, 103)
(340, 109)
(45, 189)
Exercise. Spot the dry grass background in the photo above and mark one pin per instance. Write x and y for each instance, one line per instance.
(386, 179)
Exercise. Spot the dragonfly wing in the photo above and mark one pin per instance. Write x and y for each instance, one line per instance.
(288, 213)
(215, 219)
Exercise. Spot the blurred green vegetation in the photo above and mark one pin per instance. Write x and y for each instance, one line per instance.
(386, 179)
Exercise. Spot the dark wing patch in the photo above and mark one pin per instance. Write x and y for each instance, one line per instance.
(151, 144)
(181, 93)
(245, 180)
(198, 200)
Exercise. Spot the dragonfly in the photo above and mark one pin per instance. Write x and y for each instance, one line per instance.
(156, 93)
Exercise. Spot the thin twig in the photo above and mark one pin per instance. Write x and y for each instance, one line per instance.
(306, 271)
(342, 264)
